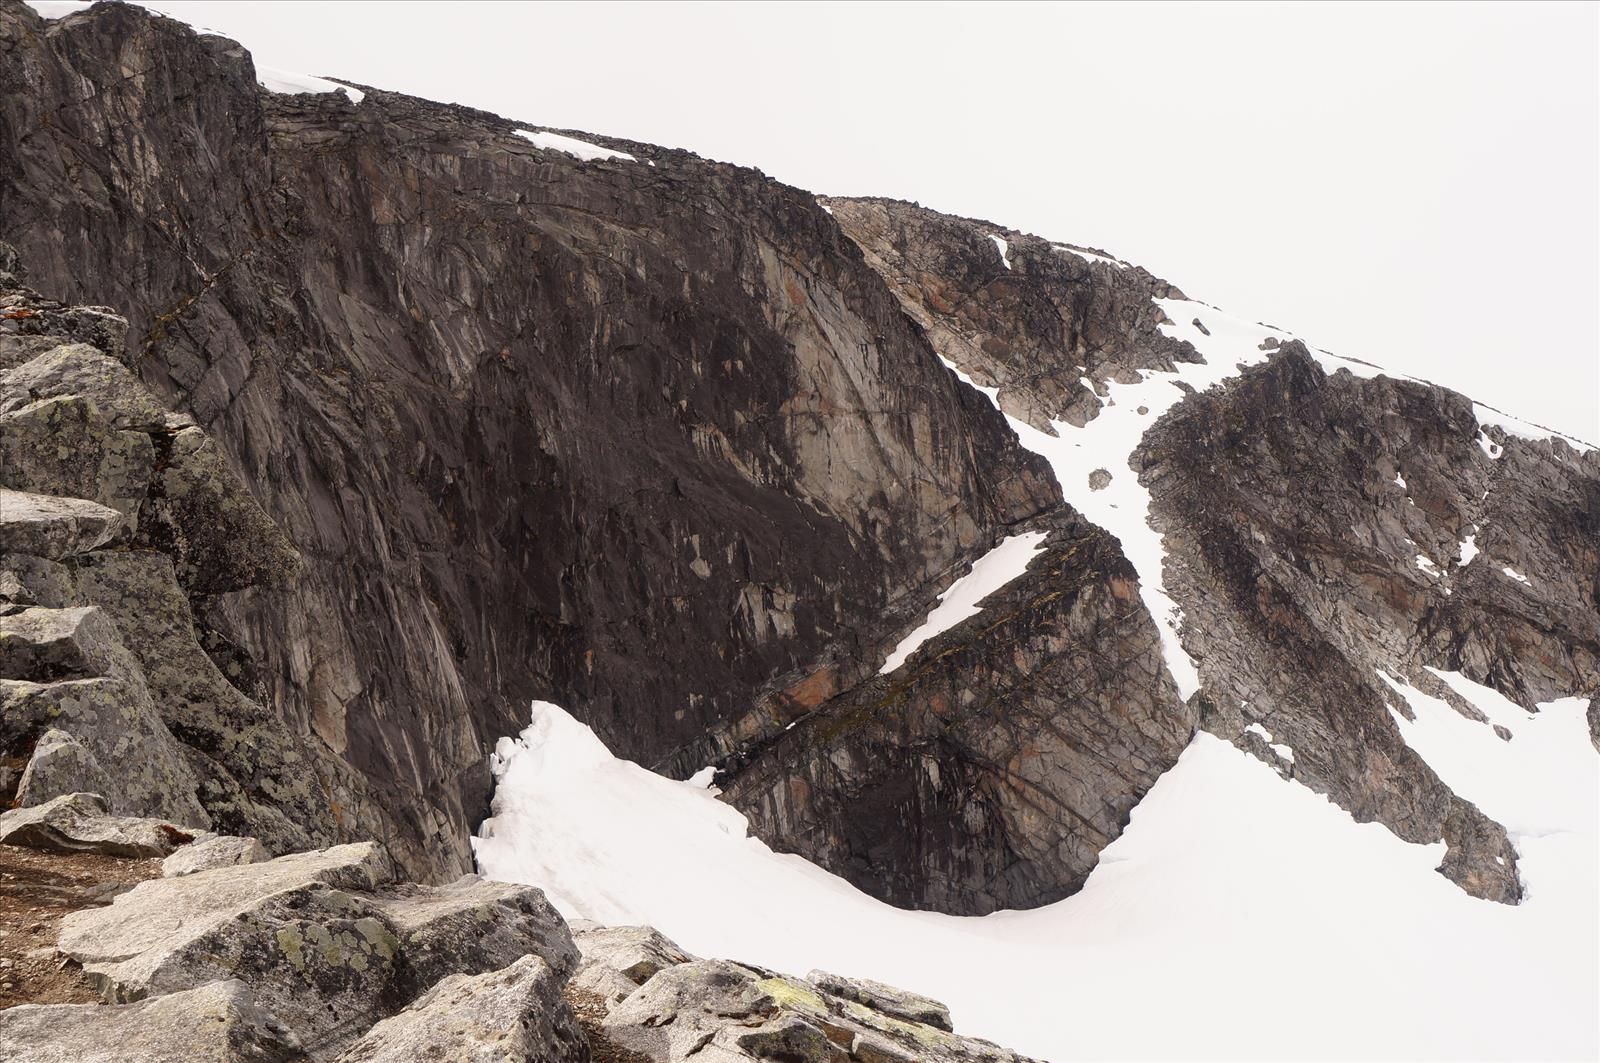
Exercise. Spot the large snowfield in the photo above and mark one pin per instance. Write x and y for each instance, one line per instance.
(1240, 915)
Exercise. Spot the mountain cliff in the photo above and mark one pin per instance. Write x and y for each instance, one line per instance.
(419, 414)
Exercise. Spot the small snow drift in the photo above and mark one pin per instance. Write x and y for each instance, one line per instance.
(1243, 907)
(988, 574)
(579, 149)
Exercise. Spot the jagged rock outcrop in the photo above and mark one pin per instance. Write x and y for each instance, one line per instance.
(1045, 323)
(716, 1010)
(118, 520)
(990, 769)
(538, 427)
(1296, 505)
(327, 942)
(323, 956)
(515, 1013)
(1317, 528)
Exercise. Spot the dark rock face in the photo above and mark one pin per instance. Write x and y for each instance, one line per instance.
(991, 768)
(1035, 323)
(536, 427)
(1293, 550)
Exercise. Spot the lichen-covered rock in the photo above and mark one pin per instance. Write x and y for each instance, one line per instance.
(616, 960)
(213, 850)
(53, 527)
(301, 930)
(326, 941)
(512, 1015)
(113, 717)
(48, 644)
(60, 765)
(473, 925)
(83, 823)
(714, 1010)
(216, 1023)
(886, 999)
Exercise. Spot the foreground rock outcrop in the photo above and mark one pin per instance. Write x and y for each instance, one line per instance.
(322, 955)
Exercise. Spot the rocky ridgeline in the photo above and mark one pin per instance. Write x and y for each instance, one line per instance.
(325, 956)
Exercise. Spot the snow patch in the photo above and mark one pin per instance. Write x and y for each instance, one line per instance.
(580, 149)
(989, 573)
(1400, 481)
(1469, 550)
(1220, 849)
(1090, 256)
(1426, 564)
(1512, 426)
(1277, 747)
(1005, 249)
(1514, 574)
(54, 9)
(290, 83)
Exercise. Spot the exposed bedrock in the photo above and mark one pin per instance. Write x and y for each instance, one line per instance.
(1296, 505)
(635, 438)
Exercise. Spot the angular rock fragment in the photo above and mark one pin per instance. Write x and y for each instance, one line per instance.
(210, 851)
(83, 823)
(885, 999)
(714, 1010)
(53, 527)
(215, 1023)
(473, 925)
(60, 765)
(616, 960)
(516, 1013)
(49, 644)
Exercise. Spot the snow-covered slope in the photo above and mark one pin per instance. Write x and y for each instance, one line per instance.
(1239, 916)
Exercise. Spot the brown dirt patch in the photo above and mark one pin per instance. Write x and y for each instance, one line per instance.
(591, 1012)
(38, 889)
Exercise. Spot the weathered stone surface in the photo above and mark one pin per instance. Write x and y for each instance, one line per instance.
(53, 527)
(885, 999)
(328, 944)
(146, 773)
(215, 1023)
(1293, 553)
(60, 765)
(990, 769)
(714, 1010)
(301, 930)
(83, 823)
(213, 850)
(430, 446)
(511, 1015)
(474, 925)
(616, 960)
(1036, 330)
(48, 644)
(165, 913)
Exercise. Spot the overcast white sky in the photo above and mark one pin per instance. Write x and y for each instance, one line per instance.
(1414, 185)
